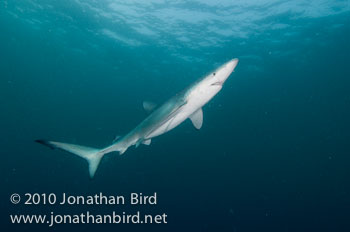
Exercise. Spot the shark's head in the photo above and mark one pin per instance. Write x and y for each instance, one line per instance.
(208, 87)
(220, 75)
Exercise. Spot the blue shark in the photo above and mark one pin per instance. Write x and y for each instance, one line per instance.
(185, 105)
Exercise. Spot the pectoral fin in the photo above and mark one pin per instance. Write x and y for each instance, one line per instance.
(197, 119)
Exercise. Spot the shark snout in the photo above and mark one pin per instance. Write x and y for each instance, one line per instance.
(231, 65)
(225, 71)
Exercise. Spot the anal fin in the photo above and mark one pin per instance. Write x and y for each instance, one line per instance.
(146, 142)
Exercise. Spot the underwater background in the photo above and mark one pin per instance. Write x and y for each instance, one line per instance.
(273, 153)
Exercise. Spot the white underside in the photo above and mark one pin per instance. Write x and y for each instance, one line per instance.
(198, 97)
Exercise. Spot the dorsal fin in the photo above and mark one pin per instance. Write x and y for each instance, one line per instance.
(116, 138)
(149, 106)
(197, 119)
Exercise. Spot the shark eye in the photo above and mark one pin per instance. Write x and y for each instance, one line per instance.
(214, 74)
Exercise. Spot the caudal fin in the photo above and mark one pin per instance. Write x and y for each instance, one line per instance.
(92, 155)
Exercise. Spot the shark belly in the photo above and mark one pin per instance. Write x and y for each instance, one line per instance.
(168, 125)
(196, 100)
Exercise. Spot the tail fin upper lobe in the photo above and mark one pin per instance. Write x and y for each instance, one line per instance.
(92, 155)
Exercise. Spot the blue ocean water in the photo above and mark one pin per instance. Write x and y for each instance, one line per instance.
(273, 152)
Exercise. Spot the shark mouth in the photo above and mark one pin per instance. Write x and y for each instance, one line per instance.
(218, 83)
